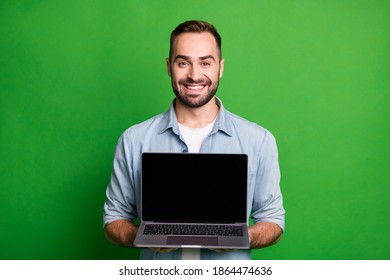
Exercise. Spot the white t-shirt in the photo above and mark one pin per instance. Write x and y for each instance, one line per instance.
(194, 137)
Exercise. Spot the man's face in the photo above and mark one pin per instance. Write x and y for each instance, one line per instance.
(195, 68)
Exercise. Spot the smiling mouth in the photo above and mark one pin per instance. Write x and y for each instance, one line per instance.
(194, 87)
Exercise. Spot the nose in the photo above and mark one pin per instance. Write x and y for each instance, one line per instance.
(195, 72)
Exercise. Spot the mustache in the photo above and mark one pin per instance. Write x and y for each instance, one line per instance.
(202, 81)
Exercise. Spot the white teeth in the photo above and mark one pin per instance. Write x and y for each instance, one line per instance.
(195, 87)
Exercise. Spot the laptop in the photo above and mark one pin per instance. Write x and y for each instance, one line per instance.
(193, 200)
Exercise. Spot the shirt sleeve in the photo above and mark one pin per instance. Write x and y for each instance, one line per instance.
(268, 201)
(121, 197)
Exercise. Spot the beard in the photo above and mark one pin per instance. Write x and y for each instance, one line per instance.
(195, 102)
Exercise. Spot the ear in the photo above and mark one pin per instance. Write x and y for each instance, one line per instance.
(221, 67)
(169, 67)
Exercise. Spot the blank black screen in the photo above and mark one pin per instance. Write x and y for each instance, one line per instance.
(194, 187)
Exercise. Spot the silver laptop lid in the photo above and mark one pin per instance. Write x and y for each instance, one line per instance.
(194, 188)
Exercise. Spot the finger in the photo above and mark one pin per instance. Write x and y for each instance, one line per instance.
(155, 249)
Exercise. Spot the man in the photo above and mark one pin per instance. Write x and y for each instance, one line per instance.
(196, 122)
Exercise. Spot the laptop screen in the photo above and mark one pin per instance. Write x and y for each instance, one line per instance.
(194, 188)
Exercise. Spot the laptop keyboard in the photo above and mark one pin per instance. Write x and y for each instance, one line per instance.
(189, 229)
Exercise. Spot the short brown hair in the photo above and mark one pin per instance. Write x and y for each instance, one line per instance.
(195, 26)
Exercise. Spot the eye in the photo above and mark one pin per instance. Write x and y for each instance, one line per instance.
(205, 64)
(182, 63)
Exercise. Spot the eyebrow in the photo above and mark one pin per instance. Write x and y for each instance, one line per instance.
(179, 56)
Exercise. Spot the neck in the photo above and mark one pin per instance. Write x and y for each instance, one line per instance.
(196, 117)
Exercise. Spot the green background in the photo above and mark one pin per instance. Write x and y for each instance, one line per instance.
(75, 74)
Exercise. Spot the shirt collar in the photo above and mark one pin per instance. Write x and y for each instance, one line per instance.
(222, 122)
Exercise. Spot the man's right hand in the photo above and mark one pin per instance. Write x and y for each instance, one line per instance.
(121, 232)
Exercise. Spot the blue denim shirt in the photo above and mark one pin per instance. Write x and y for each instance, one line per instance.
(230, 134)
